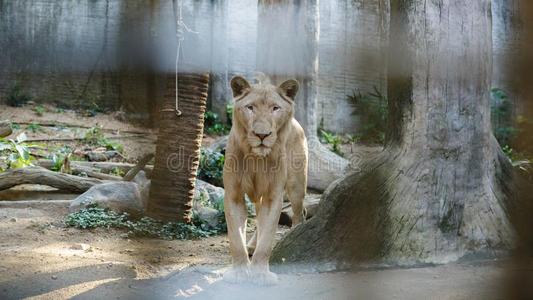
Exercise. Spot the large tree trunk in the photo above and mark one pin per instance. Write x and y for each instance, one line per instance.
(287, 47)
(438, 192)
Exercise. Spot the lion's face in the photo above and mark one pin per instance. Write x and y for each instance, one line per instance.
(262, 110)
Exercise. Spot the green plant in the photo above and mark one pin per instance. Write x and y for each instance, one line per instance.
(211, 166)
(373, 111)
(94, 216)
(95, 136)
(229, 113)
(16, 97)
(218, 204)
(518, 160)
(59, 156)
(117, 172)
(331, 139)
(502, 117)
(39, 110)
(17, 151)
(213, 125)
(15, 126)
(34, 127)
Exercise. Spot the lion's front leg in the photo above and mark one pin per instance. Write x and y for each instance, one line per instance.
(236, 214)
(267, 224)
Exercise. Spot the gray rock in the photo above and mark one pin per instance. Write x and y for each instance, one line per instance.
(209, 193)
(311, 203)
(80, 246)
(144, 187)
(219, 145)
(132, 197)
(119, 196)
(208, 215)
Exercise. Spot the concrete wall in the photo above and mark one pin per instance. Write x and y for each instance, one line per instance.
(351, 57)
(350, 49)
(59, 51)
(115, 53)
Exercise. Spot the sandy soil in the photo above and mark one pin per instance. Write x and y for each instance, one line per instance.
(39, 262)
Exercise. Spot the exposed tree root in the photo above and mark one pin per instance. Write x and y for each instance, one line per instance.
(392, 212)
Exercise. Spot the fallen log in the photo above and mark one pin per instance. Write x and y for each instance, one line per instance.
(39, 175)
(100, 167)
(97, 175)
(63, 124)
(77, 169)
(101, 156)
(72, 139)
(5, 129)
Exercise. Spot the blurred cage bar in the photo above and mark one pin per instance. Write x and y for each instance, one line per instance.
(519, 279)
(178, 148)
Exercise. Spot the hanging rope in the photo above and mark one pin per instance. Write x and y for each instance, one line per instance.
(180, 26)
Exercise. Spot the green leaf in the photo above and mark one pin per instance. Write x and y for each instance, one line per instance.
(21, 138)
(23, 152)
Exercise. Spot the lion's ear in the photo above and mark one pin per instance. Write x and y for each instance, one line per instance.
(239, 86)
(289, 88)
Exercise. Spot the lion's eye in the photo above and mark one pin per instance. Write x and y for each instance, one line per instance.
(276, 108)
(250, 108)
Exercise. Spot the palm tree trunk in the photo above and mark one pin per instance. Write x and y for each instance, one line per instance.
(178, 149)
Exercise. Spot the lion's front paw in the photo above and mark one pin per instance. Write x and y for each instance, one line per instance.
(236, 275)
(264, 278)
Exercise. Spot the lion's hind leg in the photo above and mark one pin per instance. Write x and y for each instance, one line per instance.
(296, 194)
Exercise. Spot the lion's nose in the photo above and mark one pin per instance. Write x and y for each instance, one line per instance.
(262, 136)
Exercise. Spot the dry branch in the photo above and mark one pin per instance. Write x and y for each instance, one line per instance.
(140, 166)
(42, 176)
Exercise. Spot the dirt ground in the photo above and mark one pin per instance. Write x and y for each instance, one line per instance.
(40, 261)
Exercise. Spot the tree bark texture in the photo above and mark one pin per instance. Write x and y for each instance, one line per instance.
(439, 190)
(178, 149)
(287, 47)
